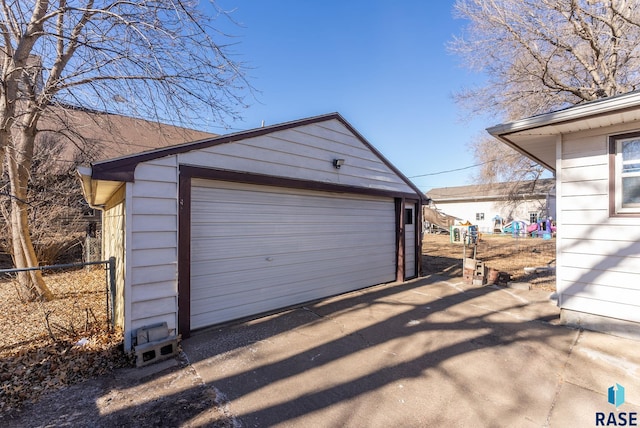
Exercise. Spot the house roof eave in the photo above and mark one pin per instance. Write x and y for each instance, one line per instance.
(535, 136)
(96, 192)
(570, 114)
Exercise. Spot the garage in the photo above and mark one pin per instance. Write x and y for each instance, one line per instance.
(282, 247)
(248, 223)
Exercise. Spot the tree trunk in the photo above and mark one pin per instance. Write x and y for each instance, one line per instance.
(24, 255)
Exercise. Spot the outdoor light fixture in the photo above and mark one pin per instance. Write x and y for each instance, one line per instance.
(337, 163)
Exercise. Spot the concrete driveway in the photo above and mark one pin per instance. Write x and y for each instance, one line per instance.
(427, 353)
(430, 352)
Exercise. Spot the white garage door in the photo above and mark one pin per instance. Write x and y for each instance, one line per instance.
(258, 248)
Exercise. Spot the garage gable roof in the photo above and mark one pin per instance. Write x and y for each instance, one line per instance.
(122, 169)
(535, 137)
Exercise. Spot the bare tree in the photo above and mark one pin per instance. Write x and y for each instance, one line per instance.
(149, 58)
(54, 200)
(544, 55)
(500, 163)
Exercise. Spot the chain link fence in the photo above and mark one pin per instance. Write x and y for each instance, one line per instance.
(84, 295)
(47, 345)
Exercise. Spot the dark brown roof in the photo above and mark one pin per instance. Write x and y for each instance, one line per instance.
(534, 188)
(100, 135)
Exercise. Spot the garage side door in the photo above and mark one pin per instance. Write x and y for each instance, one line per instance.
(410, 270)
(258, 248)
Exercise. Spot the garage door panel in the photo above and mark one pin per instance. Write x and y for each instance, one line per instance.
(257, 248)
(224, 208)
(236, 269)
(229, 282)
(221, 283)
(203, 189)
(206, 249)
(273, 229)
(279, 248)
(237, 294)
(249, 301)
(242, 246)
(257, 214)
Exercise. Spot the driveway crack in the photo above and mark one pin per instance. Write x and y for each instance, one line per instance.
(561, 380)
(218, 398)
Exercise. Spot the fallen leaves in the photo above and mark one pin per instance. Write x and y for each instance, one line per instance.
(39, 343)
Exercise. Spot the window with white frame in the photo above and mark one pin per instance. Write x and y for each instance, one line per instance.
(624, 152)
(479, 216)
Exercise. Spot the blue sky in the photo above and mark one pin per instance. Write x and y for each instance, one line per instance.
(382, 65)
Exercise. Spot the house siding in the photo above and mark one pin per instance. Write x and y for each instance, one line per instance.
(505, 209)
(114, 246)
(599, 267)
(153, 266)
(303, 153)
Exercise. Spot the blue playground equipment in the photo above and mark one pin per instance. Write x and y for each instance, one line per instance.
(516, 228)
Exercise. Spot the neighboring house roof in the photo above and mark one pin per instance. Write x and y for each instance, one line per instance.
(536, 136)
(496, 191)
(103, 135)
(105, 175)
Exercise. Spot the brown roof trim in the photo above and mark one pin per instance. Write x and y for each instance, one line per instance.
(122, 168)
(184, 256)
(364, 141)
(191, 171)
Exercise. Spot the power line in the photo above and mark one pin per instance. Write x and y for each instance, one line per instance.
(466, 167)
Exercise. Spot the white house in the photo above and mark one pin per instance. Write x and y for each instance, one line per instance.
(247, 223)
(594, 150)
(481, 203)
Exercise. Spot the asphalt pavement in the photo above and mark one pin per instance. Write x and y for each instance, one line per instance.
(428, 353)
(432, 352)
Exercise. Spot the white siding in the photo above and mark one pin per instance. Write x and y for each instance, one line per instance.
(153, 250)
(508, 211)
(113, 230)
(304, 153)
(599, 264)
(258, 248)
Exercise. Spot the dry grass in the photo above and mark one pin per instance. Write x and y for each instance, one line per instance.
(503, 253)
(38, 347)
